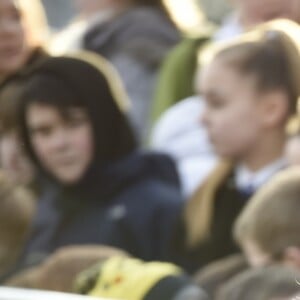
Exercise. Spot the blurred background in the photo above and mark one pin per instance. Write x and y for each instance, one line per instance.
(188, 13)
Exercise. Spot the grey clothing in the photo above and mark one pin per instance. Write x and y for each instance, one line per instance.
(136, 42)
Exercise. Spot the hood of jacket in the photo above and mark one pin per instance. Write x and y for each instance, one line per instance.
(96, 87)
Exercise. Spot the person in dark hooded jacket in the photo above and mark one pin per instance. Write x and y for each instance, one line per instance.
(97, 187)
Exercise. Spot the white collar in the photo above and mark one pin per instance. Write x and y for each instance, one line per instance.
(244, 178)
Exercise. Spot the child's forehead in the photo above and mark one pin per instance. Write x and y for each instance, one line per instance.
(220, 72)
(215, 68)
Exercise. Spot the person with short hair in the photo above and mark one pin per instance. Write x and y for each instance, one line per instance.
(97, 187)
(269, 226)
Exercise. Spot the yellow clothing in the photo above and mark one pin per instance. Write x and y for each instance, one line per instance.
(126, 278)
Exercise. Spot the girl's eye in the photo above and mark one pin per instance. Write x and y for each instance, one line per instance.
(215, 102)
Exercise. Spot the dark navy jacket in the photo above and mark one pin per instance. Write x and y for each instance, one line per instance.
(125, 198)
(132, 205)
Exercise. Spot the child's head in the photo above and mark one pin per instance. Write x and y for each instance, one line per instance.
(269, 226)
(250, 89)
(16, 213)
(271, 283)
(59, 130)
(70, 118)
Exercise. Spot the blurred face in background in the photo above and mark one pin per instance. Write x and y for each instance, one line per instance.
(232, 113)
(254, 12)
(13, 45)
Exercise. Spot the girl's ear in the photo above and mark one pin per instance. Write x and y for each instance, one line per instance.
(274, 108)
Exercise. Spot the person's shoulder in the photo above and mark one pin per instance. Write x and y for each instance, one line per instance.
(162, 167)
(157, 178)
(150, 196)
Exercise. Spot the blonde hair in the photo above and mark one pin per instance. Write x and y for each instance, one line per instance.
(35, 21)
(199, 211)
(271, 218)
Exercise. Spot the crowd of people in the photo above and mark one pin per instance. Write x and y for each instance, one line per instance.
(141, 163)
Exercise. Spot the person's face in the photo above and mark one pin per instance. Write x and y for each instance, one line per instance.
(63, 145)
(254, 12)
(232, 113)
(13, 161)
(13, 47)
